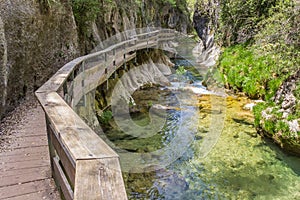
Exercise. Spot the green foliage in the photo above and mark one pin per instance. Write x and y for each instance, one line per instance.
(180, 70)
(105, 117)
(172, 2)
(270, 52)
(150, 104)
(257, 113)
(274, 125)
(239, 19)
(85, 12)
(253, 74)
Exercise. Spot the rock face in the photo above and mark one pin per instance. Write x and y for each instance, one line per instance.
(117, 16)
(3, 67)
(285, 92)
(287, 105)
(205, 20)
(35, 41)
(38, 36)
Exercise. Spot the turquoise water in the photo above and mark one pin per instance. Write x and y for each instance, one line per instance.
(241, 165)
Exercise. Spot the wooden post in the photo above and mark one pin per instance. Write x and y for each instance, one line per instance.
(50, 145)
(147, 44)
(82, 83)
(106, 71)
(124, 57)
(65, 92)
(82, 164)
(114, 63)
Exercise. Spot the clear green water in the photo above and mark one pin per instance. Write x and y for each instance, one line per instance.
(240, 166)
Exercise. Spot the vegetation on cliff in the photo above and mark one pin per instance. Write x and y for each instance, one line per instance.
(97, 20)
(261, 57)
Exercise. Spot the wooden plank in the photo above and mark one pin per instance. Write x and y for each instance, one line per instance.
(26, 188)
(61, 181)
(23, 171)
(24, 151)
(54, 83)
(65, 158)
(43, 155)
(147, 33)
(43, 194)
(29, 142)
(23, 165)
(27, 175)
(99, 179)
(95, 76)
(57, 80)
(33, 139)
(79, 139)
(30, 135)
(74, 140)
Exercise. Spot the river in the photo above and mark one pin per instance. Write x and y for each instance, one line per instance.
(225, 159)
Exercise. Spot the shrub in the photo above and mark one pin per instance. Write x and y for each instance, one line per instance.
(85, 12)
(105, 117)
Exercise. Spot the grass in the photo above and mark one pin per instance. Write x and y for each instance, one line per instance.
(245, 71)
(259, 76)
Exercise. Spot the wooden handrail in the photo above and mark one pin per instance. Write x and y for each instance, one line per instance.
(83, 165)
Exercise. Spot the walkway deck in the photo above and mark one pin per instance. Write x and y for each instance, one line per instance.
(24, 164)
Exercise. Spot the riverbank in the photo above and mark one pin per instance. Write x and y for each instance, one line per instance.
(275, 81)
(260, 50)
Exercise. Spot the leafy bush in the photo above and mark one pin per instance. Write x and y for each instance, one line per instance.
(180, 70)
(239, 20)
(245, 71)
(105, 117)
(85, 12)
(268, 55)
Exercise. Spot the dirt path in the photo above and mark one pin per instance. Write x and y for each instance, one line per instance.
(24, 158)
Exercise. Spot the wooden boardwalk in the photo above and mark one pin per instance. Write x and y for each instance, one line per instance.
(25, 166)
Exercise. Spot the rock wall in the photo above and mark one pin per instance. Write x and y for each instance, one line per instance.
(38, 36)
(205, 22)
(287, 107)
(119, 15)
(35, 41)
(205, 19)
(3, 68)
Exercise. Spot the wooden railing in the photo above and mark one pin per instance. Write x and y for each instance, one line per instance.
(83, 165)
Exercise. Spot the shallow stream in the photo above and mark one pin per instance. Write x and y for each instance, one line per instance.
(239, 164)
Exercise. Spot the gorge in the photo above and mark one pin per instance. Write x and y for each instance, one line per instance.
(246, 55)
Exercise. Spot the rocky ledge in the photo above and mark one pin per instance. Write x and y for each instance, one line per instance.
(280, 121)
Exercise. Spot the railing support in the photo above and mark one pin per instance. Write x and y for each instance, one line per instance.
(79, 157)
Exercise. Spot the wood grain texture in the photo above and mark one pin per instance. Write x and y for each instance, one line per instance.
(96, 173)
(65, 158)
(62, 181)
(25, 169)
(99, 179)
(78, 138)
(21, 190)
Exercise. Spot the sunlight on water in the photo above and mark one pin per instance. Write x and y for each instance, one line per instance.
(240, 166)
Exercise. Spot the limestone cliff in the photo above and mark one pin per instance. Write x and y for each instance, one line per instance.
(205, 19)
(34, 42)
(3, 67)
(119, 15)
(38, 36)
